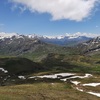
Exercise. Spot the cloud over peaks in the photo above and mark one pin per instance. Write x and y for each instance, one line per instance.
(60, 9)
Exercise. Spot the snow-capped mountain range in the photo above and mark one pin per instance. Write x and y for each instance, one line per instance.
(67, 39)
(68, 35)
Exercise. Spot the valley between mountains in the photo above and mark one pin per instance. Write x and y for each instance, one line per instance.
(44, 68)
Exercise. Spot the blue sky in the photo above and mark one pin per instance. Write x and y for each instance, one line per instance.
(49, 18)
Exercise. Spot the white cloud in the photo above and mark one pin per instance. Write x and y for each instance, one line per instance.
(60, 9)
(22, 9)
(15, 6)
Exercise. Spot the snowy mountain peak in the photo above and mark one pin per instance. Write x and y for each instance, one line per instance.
(72, 36)
(79, 34)
(53, 37)
(7, 35)
(32, 36)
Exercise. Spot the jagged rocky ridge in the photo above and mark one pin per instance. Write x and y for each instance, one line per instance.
(90, 47)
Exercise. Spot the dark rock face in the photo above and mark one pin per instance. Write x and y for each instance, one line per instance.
(90, 47)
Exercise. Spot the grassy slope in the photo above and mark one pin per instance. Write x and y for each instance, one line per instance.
(43, 91)
(52, 62)
(73, 63)
(55, 62)
(43, 51)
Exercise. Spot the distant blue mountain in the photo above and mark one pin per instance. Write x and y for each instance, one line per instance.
(66, 41)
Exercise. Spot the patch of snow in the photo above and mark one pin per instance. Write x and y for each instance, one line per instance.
(31, 36)
(63, 80)
(48, 76)
(32, 77)
(60, 37)
(72, 78)
(5, 71)
(86, 76)
(54, 76)
(64, 74)
(19, 36)
(93, 93)
(93, 42)
(22, 77)
(75, 82)
(49, 37)
(73, 37)
(92, 84)
(79, 89)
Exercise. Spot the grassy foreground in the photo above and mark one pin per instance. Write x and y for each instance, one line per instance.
(43, 91)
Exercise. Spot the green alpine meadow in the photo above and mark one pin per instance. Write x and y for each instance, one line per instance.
(49, 50)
